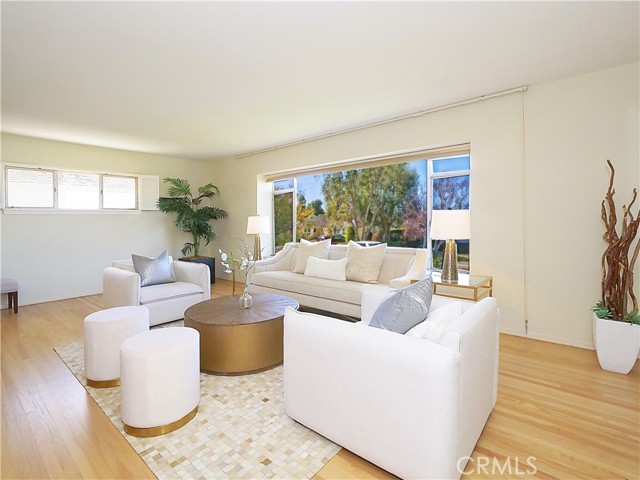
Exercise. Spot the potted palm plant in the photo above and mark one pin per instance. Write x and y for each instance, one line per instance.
(193, 217)
(616, 321)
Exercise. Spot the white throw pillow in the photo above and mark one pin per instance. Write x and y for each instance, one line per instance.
(436, 322)
(308, 249)
(364, 262)
(329, 269)
(153, 270)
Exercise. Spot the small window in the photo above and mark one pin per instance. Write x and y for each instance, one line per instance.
(452, 164)
(119, 192)
(29, 188)
(78, 191)
(283, 184)
(55, 190)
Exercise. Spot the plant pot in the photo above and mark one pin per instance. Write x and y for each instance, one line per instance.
(209, 261)
(617, 344)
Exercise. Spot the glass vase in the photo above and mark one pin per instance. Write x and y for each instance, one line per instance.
(246, 301)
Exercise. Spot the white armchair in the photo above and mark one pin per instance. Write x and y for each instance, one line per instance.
(167, 301)
(411, 406)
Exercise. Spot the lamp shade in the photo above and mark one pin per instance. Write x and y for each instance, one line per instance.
(450, 224)
(257, 225)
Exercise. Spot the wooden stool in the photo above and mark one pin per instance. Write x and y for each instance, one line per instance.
(10, 287)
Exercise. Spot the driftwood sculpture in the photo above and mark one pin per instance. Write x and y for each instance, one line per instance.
(617, 268)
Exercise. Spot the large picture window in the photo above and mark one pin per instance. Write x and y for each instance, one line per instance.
(36, 188)
(388, 203)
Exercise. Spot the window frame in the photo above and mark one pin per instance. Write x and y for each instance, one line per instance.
(55, 209)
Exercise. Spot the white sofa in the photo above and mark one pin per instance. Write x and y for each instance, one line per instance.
(411, 406)
(167, 301)
(274, 275)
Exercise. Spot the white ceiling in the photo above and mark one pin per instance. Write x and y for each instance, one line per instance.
(214, 79)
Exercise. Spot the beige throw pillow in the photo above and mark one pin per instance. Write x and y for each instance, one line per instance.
(364, 262)
(308, 249)
(327, 269)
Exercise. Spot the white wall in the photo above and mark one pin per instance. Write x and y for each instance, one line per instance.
(538, 176)
(572, 127)
(55, 256)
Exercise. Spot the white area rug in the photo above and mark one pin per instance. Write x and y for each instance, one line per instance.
(240, 431)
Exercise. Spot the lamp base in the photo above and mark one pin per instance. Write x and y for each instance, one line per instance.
(450, 262)
(257, 249)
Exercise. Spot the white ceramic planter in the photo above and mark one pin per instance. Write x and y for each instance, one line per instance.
(617, 344)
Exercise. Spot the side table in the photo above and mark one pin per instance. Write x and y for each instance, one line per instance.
(468, 287)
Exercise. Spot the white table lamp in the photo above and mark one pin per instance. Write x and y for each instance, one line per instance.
(255, 226)
(450, 225)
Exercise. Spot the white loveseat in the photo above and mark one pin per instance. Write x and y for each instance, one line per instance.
(274, 275)
(411, 406)
(167, 301)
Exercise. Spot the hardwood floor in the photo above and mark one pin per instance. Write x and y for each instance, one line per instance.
(557, 412)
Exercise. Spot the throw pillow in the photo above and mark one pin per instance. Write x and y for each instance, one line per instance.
(308, 249)
(329, 269)
(436, 322)
(403, 309)
(364, 262)
(153, 270)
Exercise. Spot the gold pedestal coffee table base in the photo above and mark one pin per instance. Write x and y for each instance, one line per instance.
(239, 342)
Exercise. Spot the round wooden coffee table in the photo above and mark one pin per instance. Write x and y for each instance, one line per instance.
(235, 341)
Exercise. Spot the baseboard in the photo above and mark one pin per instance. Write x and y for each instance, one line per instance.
(551, 339)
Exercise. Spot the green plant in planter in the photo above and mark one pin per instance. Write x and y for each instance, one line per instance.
(617, 266)
(191, 216)
(601, 311)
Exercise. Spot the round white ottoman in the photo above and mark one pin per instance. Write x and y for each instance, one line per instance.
(159, 380)
(104, 332)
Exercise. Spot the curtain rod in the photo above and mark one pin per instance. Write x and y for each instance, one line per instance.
(419, 113)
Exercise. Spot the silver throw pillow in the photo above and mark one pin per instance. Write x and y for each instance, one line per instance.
(403, 309)
(152, 270)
